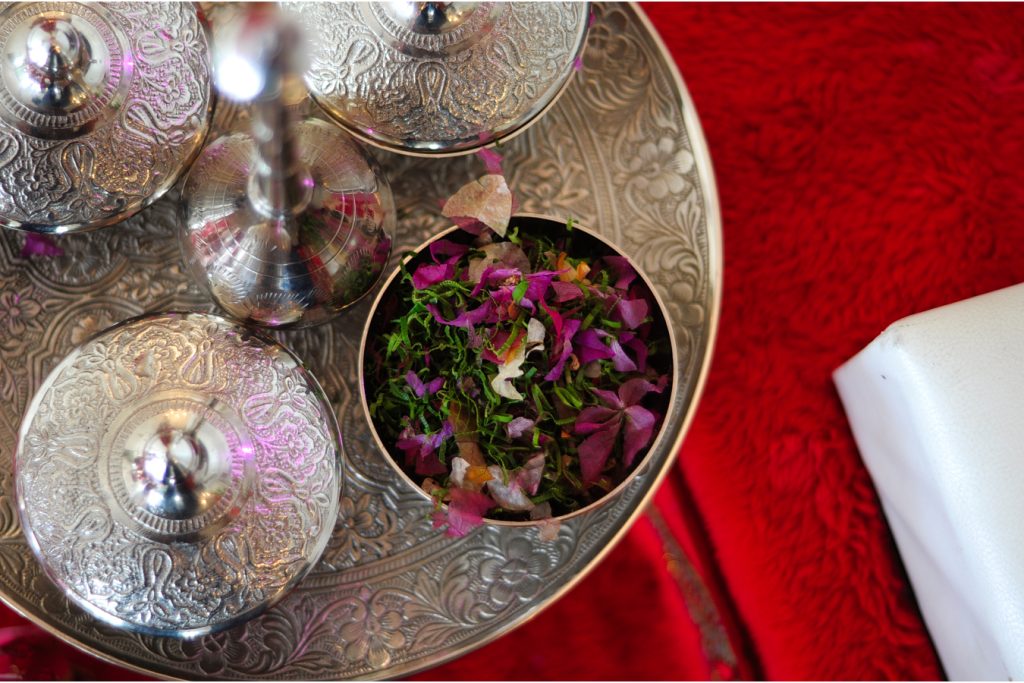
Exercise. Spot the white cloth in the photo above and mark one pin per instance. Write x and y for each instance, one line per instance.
(936, 404)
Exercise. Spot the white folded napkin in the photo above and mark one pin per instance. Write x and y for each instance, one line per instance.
(936, 404)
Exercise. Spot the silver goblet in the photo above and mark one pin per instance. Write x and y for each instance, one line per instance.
(292, 223)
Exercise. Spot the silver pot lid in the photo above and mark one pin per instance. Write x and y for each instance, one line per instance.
(102, 106)
(178, 474)
(438, 78)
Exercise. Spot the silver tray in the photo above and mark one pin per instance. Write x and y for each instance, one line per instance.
(622, 151)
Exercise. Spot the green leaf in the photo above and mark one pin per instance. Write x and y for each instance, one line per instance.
(520, 291)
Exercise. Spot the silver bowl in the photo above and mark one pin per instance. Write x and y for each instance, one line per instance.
(595, 245)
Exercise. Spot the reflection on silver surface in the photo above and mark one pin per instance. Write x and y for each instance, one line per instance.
(177, 475)
(101, 108)
(623, 153)
(440, 78)
(291, 224)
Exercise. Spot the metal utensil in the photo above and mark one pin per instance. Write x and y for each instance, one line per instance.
(292, 223)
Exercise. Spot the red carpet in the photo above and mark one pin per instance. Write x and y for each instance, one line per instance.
(869, 166)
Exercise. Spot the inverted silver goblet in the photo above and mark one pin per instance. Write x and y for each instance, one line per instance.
(291, 223)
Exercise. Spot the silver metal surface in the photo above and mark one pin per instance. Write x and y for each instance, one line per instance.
(291, 224)
(177, 475)
(102, 106)
(440, 78)
(623, 153)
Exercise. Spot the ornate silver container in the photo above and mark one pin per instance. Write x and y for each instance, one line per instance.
(440, 78)
(178, 474)
(292, 223)
(102, 106)
(593, 244)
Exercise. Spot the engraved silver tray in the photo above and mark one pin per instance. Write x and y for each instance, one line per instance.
(623, 152)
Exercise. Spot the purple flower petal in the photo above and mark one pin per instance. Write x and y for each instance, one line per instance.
(434, 385)
(623, 270)
(610, 398)
(509, 495)
(466, 318)
(595, 418)
(540, 282)
(447, 248)
(639, 349)
(594, 452)
(620, 361)
(517, 427)
(589, 347)
(493, 275)
(431, 273)
(632, 312)
(530, 475)
(564, 348)
(40, 245)
(413, 380)
(640, 424)
(566, 291)
(421, 449)
(491, 159)
(465, 511)
(633, 390)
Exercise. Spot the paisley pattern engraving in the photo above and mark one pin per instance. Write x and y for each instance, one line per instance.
(111, 553)
(390, 594)
(146, 125)
(429, 91)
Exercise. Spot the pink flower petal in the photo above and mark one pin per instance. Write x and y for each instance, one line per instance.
(594, 418)
(413, 380)
(610, 398)
(623, 270)
(620, 361)
(444, 247)
(639, 349)
(633, 390)
(40, 245)
(491, 159)
(589, 347)
(632, 312)
(431, 273)
(517, 427)
(566, 291)
(494, 275)
(640, 424)
(594, 452)
(563, 348)
(509, 495)
(465, 511)
(530, 475)
(465, 318)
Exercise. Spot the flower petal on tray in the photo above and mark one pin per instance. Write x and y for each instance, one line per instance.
(487, 199)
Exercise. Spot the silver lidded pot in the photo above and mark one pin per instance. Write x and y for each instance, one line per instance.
(178, 474)
(292, 223)
(102, 106)
(440, 78)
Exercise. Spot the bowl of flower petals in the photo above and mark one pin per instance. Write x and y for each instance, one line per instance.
(517, 378)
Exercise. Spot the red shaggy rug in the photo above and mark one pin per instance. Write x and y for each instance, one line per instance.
(869, 162)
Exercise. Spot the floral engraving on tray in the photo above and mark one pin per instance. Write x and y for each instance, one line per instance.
(391, 594)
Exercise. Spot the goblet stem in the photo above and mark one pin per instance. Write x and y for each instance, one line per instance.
(281, 185)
